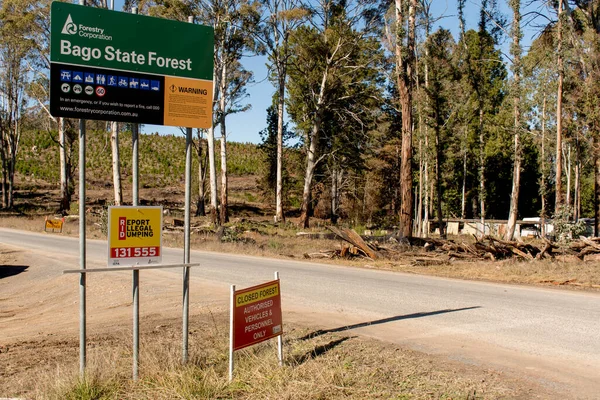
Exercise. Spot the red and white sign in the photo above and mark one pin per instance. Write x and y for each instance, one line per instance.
(256, 314)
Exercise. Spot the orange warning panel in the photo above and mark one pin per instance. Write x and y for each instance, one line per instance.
(188, 102)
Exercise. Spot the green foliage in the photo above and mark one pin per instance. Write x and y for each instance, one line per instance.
(38, 152)
(243, 159)
(92, 388)
(564, 229)
(104, 218)
(161, 158)
(275, 245)
(268, 147)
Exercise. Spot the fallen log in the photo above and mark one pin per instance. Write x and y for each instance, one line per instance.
(518, 252)
(589, 242)
(354, 239)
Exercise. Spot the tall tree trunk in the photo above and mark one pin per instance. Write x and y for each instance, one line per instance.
(114, 146)
(212, 169)
(336, 178)
(65, 194)
(224, 214)
(596, 150)
(4, 184)
(311, 160)
(438, 179)
(567, 167)
(212, 166)
(559, 107)
(308, 174)
(544, 188)
(516, 182)
(116, 163)
(481, 168)
(463, 204)
(428, 195)
(200, 209)
(419, 189)
(577, 188)
(405, 65)
(14, 146)
(279, 215)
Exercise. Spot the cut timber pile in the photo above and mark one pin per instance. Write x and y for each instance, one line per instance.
(439, 251)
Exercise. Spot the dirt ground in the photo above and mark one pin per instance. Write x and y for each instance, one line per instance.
(39, 324)
(39, 305)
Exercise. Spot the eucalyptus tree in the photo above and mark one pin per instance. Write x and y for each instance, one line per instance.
(269, 147)
(326, 72)
(280, 19)
(114, 126)
(482, 65)
(559, 103)
(202, 163)
(515, 51)
(422, 213)
(17, 41)
(37, 15)
(404, 47)
(114, 145)
(484, 72)
(539, 91)
(231, 20)
(232, 92)
(442, 79)
(588, 15)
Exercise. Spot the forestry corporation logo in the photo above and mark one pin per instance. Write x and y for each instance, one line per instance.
(70, 28)
(84, 31)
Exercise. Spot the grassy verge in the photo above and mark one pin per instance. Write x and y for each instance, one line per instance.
(317, 366)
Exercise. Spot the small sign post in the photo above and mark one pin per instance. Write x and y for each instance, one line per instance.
(53, 225)
(255, 316)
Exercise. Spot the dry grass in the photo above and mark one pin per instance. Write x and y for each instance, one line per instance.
(579, 274)
(317, 366)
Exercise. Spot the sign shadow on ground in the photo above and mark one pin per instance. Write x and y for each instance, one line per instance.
(11, 270)
(385, 320)
(319, 350)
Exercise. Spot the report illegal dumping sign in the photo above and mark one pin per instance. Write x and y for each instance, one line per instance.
(109, 65)
(134, 235)
(256, 314)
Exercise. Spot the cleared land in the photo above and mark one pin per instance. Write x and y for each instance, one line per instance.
(39, 349)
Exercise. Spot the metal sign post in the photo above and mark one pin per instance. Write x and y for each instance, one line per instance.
(280, 337)
(186, 244)
(82, 252)
(231, 331)
(136, 273)
(186, 239)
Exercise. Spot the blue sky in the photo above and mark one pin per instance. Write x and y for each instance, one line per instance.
(245, 127)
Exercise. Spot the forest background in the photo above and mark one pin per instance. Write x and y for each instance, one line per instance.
(392, 123)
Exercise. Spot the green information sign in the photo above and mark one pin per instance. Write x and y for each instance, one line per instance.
(117, 66)
(111, 39)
